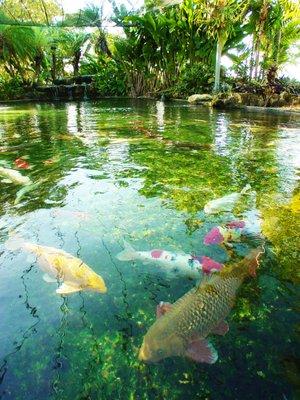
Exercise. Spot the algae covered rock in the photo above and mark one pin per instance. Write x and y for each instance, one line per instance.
(252, 99)
(227, 100)
(200, 98)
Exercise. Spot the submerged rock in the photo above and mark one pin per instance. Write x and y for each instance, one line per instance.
(200, 98)
(227, 100)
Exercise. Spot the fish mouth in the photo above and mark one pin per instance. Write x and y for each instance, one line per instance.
(144, 354)
(102, 289)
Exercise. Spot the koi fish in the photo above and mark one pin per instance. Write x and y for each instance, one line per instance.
(225, 203)
(14, 176)
(59, 266)
(185, 264)
(230, 232)
(21, 163)
(181, 328)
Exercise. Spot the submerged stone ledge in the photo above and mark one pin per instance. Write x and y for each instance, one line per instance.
(232, 100)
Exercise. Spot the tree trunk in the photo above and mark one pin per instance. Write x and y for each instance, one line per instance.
(256, 63)
(263, 15)
(53, 67)
(38, 67)
(251, 62)
(220, 46)
(278, 45)
(76, 61)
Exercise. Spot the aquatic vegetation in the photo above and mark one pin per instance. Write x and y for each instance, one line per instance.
(281, 225)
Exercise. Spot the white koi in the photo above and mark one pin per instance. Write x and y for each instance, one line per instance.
(181, 263)
(14, 176)
(225, 203)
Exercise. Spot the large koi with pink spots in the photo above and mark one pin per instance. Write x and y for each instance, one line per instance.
(181, 263)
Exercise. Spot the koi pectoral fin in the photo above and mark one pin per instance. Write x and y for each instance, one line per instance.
(67, 288)
(221, 329)
(49, 279)
(162, 308)
(200, 350)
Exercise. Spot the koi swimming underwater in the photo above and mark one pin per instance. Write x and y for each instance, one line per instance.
(181, 328)
(179, 263)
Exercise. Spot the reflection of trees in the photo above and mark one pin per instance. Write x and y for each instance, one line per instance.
(45, 133)
(31, 330)
(190, 177)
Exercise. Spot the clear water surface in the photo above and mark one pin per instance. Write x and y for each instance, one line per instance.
(141, 171)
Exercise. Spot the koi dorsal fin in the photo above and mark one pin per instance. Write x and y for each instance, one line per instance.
(162, 308)
(206, 280)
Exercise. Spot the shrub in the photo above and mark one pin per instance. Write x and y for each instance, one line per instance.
(12, 88)
(108, 76)
(197, 78)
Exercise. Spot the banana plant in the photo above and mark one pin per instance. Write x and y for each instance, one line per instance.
(220, 18)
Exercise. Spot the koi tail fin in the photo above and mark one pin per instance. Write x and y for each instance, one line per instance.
(129, 253)
(252, 260)
(246, 189)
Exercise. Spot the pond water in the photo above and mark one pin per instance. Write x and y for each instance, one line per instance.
(141, 171)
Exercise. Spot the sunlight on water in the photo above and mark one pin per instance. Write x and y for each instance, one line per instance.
(112, 172)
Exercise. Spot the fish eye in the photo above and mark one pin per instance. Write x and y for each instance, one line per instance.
(160, 352)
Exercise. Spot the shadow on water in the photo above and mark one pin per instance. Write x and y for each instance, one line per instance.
(28, 332)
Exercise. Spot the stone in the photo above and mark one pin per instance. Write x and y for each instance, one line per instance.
(224, 100)
(200, 98)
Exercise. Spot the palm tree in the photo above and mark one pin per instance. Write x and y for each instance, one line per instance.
(75, 45)
(90, 16)
(41, 44)
(276, 27)
(16, 49)
(220, 18)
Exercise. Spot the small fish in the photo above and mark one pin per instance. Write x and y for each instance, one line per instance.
(181, 329)
(225, 203)
(185, 264)
(71, 272)
(21, 163)
(230, 232)
(14, 176)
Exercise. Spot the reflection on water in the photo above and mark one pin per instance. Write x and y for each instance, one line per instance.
(141, 172)
(160, 107)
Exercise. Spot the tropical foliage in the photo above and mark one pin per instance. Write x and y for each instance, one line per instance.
(174, 47)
